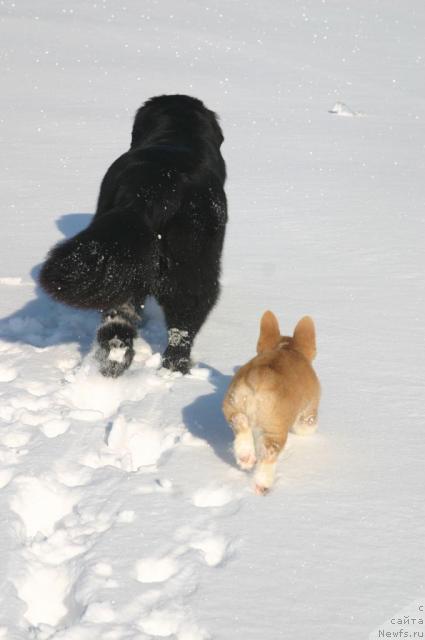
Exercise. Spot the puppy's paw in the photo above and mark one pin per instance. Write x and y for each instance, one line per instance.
(264, 477)
(245, 450)
(260, 490)
(114, 357)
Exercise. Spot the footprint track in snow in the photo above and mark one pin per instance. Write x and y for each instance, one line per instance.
(126, 516)
(7, 373)
(138, 445)
(37, 388)
(55, 427)
(165, 609)
(25, 400)
(15, 439)
(7, 413)
(212, 497)
(56, 531)
(150, 570)
(67, 364)
(213, 548)
(103, 569)
(88, 390)
(132, 445)
(38, 581)
(57, 548)
(5, 477)
(60, 542)
(172, 621)
(99, 613)
(12, 456)
(40, 503)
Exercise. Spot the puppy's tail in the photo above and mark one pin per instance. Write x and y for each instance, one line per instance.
(103, 265)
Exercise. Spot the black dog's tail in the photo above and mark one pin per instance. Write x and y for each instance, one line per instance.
(103, 265)
(107, 263)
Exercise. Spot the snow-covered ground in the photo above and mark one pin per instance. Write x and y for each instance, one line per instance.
(123, 514)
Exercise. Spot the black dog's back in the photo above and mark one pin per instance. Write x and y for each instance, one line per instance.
(151, 180)
(159, 224)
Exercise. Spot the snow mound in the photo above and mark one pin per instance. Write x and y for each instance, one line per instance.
(341, 109)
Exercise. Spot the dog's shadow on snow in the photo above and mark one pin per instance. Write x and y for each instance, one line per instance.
(204, 418)
(42, 322)
(72, 223)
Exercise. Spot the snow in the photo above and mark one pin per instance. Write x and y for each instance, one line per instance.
(116, 354)
(124, 515)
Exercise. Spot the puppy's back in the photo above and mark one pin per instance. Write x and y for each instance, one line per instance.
(281, 380)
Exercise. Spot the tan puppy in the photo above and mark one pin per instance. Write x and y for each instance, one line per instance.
(274, 392)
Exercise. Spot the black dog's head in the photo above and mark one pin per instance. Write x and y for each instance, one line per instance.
(175, 119)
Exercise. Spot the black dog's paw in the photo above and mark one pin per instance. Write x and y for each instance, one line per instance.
(114, 357)
(176, 360)
(115, 353)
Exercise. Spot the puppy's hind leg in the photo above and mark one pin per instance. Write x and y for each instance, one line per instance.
(115, 337)
(244, 445)
(269, 446)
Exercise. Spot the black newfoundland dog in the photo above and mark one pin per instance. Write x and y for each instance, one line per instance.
(158, 230)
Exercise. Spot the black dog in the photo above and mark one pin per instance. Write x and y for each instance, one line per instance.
(158, 230)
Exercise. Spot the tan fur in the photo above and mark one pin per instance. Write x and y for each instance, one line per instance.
(274, 392)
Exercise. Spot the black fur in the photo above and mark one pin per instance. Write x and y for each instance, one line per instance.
(158, 230)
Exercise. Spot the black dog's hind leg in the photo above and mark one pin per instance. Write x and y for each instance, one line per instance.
(185, 315)
(115, 337)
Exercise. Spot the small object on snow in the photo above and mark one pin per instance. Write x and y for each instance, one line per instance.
(341, 109)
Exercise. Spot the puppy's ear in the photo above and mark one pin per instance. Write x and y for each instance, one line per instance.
(269, 333)
(305, 338)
